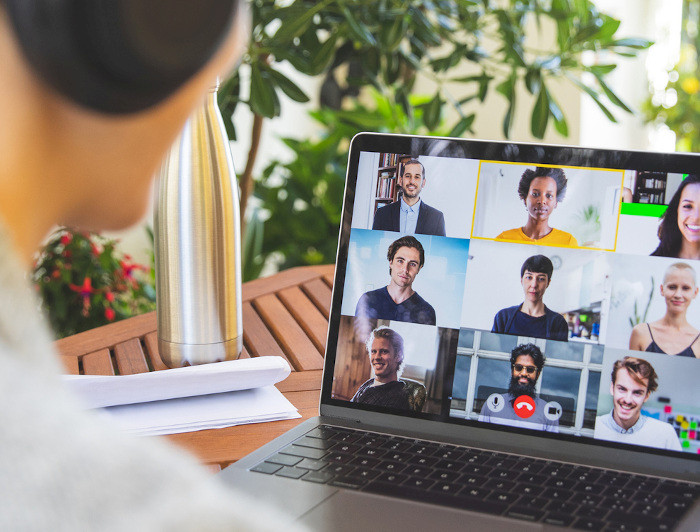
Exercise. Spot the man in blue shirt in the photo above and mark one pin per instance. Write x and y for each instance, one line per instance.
(410, 214)
(532, 317)
(398, 301)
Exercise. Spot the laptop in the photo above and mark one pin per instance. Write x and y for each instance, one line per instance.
(497, 345)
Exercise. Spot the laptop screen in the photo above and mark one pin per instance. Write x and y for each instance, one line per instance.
(551, 290)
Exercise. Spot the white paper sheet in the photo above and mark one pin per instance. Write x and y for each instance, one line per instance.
(203, 412)
(100, 390)
(209, 396)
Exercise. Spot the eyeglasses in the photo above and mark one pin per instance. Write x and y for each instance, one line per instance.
(530, 369)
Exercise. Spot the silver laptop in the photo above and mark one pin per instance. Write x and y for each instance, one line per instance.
(513, 344)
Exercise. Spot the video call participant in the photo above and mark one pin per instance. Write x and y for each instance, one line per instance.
(679, 229)
(672, 334)
(398, 301)
(541, 190)
(410, 214)
(633, 381)
(526, 363)
(532, 317)
(385, 348)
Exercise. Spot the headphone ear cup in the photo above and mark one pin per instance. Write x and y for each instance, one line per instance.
(119, 56)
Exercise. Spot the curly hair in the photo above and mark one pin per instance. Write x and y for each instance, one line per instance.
(541, 171)
(639, 369)
(530, 350)
(670, 237)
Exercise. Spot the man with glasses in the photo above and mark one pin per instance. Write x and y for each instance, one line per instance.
(521, 406)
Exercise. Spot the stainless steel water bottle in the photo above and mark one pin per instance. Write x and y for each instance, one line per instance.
(197, 245)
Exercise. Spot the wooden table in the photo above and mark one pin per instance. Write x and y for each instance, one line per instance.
(285, 315)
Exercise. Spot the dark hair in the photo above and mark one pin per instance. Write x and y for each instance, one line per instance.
(530, 350)
(394, 339)
(541, 171)
(669, 235)
(537, 264)
(639, 369)
(405, 242)
(413, 161)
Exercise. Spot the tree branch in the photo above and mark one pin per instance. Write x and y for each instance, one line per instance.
(246, 179)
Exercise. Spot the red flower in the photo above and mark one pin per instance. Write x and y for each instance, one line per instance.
(66, 239)
(110, 314)
(55, 274)
(95, 250)
(84, 291)
(109, 296)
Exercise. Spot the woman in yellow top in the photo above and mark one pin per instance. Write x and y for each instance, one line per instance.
(541, 190)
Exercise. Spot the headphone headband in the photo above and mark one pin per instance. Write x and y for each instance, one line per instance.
(119, 56)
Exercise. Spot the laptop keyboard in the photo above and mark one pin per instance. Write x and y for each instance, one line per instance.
(513, 486)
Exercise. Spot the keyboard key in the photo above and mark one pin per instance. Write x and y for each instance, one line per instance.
(558, 494)
(449, 465)
(590, 499)
(304, 452)
(308, 463)
(397, 456)
(364, 473)
(319, 477)
(339, 458)
(417, 471)
(416, 482)
(391, 467)
(348, 448)
(500, 485)
(446, 488)
(506, 497)
(427, 461)
(396, 445)
(562, 483)
(683, 491)
(365, 461)
(585, 523)
(526, 513)
(476, 492)
(676, 507)
(449, 453)
(339, 469)
(558, 519)
(284, 459)
(444, 476)
(316, 443)
(530, 478)
(291, 472)
(392, 478)
(266, 468)
(352, 483)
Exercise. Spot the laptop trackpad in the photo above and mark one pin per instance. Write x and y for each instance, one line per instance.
(353, 511)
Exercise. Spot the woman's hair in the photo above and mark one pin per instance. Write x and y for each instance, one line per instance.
(680, 266)
(670, 237)
(537, 264)
(541, 171)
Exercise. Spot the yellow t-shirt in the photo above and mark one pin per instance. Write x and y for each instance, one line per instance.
(556, 237)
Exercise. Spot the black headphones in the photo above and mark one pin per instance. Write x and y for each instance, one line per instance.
(119, 56)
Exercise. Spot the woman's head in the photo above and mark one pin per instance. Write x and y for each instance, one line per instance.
(679, 287)
(541, 190)
(681, 221)
(556, 174)
(81, 167)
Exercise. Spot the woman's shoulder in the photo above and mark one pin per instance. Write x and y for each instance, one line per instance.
(511, 234)
(561, 238)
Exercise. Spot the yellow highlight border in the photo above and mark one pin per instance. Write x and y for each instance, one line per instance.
(534, 243)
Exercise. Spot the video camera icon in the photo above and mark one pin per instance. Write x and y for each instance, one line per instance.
(553, 411)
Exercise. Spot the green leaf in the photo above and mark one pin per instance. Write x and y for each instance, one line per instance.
(431, 113)
(601, 70)
(325, 55)
(392, 34)
(464, 124)
(294, 20)
(507, 89)
(608, 29)
(612, 96)
(637, 44)
(559, 120)
(262, 95)
(360, 31)
(594, 96)
(540, 114)
(289, 87)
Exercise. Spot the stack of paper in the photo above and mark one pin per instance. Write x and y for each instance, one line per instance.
(209, 396)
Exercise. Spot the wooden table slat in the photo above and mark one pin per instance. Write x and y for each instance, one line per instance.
(285, 279)
(301, 351)
(320, 293)
(301, 381)
(70, 364)
(256, 337)
(98, 363)
(130, 357)
(298, 304)
(151, 343)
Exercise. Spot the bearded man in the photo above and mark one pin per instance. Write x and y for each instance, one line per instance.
(522, 406)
